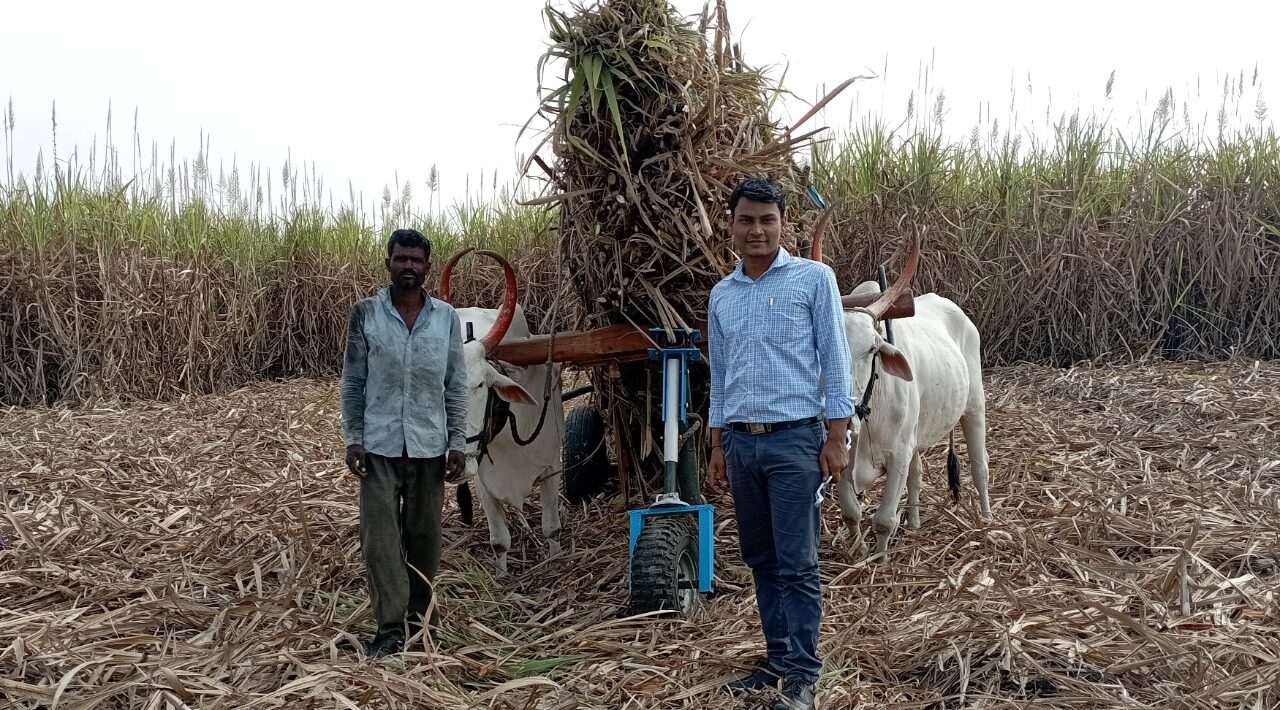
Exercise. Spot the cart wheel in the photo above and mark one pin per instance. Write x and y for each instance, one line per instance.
(664, 568)
(586, 460)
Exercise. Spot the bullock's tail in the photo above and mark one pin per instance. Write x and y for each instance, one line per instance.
(953, 469)
(464, 502)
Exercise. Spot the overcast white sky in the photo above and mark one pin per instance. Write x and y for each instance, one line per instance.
(374, 89)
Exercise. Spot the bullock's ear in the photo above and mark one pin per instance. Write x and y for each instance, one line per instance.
(509, 390)
(894, 362)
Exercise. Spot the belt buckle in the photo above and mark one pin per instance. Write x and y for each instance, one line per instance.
(756, 428)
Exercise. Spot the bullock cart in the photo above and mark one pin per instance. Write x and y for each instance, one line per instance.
(670, 541)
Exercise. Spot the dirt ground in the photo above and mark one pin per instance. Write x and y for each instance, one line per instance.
(204, 553)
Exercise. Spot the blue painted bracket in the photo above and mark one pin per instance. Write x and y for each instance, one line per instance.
(706, 538)
(686, 352)
(681, 347)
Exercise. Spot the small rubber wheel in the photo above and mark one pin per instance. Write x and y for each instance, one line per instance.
(664, 568)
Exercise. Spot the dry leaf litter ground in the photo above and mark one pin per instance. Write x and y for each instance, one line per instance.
(204, 553)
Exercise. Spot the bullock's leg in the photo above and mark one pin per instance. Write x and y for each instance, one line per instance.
(885, 520)
(851, 511)
(915, 476)
(550, 493)
(974, 424)
(499, 535)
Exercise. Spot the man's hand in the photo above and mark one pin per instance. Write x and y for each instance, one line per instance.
(718, 470)
(833, 459)
(453, 468)
(355, 460)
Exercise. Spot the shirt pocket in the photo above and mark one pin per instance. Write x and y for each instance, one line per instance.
(787, 319)
(431, 350)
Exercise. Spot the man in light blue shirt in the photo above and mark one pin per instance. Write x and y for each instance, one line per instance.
(780, 409)
(404, 405)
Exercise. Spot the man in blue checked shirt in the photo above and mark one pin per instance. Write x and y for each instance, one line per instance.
(780, 408)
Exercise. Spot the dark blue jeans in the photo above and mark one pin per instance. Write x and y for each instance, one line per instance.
(775, 478)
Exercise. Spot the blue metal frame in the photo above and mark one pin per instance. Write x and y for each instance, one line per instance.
(706, 538)
(683, 349)
(687, 354)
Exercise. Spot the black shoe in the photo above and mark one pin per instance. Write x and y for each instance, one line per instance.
(384, 646)
(796, 695)
(764, 676)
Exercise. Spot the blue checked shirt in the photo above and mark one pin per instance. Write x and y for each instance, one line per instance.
(404, 392)
(777, 346)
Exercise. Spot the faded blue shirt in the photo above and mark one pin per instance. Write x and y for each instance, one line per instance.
(777, 346)
(404, 391)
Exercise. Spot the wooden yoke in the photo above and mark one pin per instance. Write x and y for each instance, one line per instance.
(626, 343)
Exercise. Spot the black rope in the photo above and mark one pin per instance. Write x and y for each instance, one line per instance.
(863, 407)
(546, 399)
(497, 411)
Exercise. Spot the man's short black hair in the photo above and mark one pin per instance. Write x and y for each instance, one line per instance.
(759, 189)
(408, 238)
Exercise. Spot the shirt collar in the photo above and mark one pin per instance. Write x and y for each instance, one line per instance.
(779, 262)
(384, 295)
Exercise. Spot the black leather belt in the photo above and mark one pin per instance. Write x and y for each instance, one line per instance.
(762, 428)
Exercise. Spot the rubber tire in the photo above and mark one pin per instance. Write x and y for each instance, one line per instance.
(688, 480)
(586, 460)
(654, 574)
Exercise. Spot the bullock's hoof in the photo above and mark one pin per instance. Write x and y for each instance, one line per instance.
(881, 554)
(857, 546)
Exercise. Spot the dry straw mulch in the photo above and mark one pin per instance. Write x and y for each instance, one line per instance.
(203, 553)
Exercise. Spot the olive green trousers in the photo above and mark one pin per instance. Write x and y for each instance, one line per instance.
(401, 506)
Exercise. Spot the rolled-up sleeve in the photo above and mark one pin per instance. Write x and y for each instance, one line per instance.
(355, 367)
(455, 387)
(833, 346)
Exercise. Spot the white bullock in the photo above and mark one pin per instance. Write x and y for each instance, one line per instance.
(934, 381)
(505, 469)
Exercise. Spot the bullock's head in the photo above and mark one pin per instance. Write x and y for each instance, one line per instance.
(488, 326)
(865, 333)
(862, 325)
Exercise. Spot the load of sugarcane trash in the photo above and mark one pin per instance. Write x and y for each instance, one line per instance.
(653, 122)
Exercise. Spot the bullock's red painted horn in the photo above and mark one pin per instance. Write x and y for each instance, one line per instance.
(815, 251)
(507, 312)
(446, 272)
(900, 285)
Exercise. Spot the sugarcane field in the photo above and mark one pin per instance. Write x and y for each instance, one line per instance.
(735, 393)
